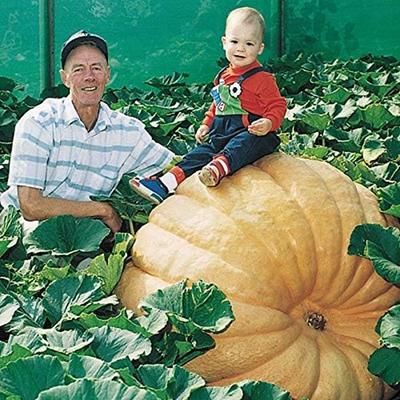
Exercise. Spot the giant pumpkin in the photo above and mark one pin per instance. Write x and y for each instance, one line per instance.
(274, 238)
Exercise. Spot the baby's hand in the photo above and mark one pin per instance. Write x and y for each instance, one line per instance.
(201, 133)
(260, 127)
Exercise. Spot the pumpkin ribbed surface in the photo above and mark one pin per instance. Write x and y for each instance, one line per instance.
(273, 237)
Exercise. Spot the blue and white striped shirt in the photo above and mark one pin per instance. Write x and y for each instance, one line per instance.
(53, 151)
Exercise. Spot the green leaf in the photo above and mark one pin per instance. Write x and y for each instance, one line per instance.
(110, 270)
(154, 322)
(389, 327)
(52, 274)
(338, 95)
(10, 229)
(30, 340)
(389, 199)
(120, 321)
(170, 383)
(112, 344)
(203, 304)
(376, 116)
(346, 111)
(217, 393)
(318, 121)
(8, 307)
(17, 352)
(65, 293)
(94, 389)
(68, 341)
(129, 205)
(67, 235)
(169, 299)
(207, 307)
(7, 84)
(381, 245)
(80, 367)
(29, 376)
(9, 223)
(29, 314)
(384, 362)
(262, 390)
(373, 148)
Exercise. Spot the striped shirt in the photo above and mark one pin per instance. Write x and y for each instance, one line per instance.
(53, 151)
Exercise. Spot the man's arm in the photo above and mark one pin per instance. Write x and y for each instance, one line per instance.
(35, 207)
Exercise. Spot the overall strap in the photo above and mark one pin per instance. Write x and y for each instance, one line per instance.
(249, 73)
(218, 76)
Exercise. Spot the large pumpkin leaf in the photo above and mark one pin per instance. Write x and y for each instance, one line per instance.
(388, 327)
(8, 307)
(381, 245)
(169, 383)
(372, 149)
(113, 344)
(207, 307)
(389, 199)
(377, 116)
(67, 235)
(384, 362)
(262, 390)
(203, 304)
(12, 353)
(30, 313)
(30, 339)
(121, 321)
(67, 341)
(10, 229)
(96, 390)
(63, 294)
(129, 205)
(217, 393)
(109, 270)
(80, 367)
(27, 377)
(316, 120)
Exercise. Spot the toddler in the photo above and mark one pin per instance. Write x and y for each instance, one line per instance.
(246, 110)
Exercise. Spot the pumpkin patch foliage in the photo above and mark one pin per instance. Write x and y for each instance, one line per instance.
(64, 332)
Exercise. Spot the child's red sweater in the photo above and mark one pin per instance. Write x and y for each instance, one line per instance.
(260, 95)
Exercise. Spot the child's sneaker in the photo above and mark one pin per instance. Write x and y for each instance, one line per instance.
(209, 175)
(151, 189)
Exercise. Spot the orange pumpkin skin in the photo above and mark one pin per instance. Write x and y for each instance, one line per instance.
(273, 237)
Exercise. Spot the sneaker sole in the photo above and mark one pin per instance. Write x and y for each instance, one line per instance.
(144, 192)
(207, 178)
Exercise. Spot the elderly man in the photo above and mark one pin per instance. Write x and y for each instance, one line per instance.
(66, 150)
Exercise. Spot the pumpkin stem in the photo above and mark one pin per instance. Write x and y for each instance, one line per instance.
(315, 320)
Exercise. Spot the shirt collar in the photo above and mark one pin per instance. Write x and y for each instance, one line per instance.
(71, 116)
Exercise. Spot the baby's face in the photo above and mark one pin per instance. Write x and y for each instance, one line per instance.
(242, 42)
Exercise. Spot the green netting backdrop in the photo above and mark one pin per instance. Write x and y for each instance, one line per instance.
(156, 37)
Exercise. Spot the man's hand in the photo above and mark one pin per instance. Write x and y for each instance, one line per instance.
(35, 207)
(201, 133)
(110, 218)
(260, 127)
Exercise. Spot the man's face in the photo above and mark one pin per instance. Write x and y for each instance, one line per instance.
(86, 74)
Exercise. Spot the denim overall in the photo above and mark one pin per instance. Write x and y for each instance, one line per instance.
(228, 133)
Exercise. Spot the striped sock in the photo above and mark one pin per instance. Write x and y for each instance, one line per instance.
(173, 178)
(222, 165)
(169, 181)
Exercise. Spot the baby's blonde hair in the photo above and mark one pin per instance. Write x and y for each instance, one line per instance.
(248, 15)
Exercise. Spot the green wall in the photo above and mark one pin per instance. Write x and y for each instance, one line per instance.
(343, 28)
(156, 37)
